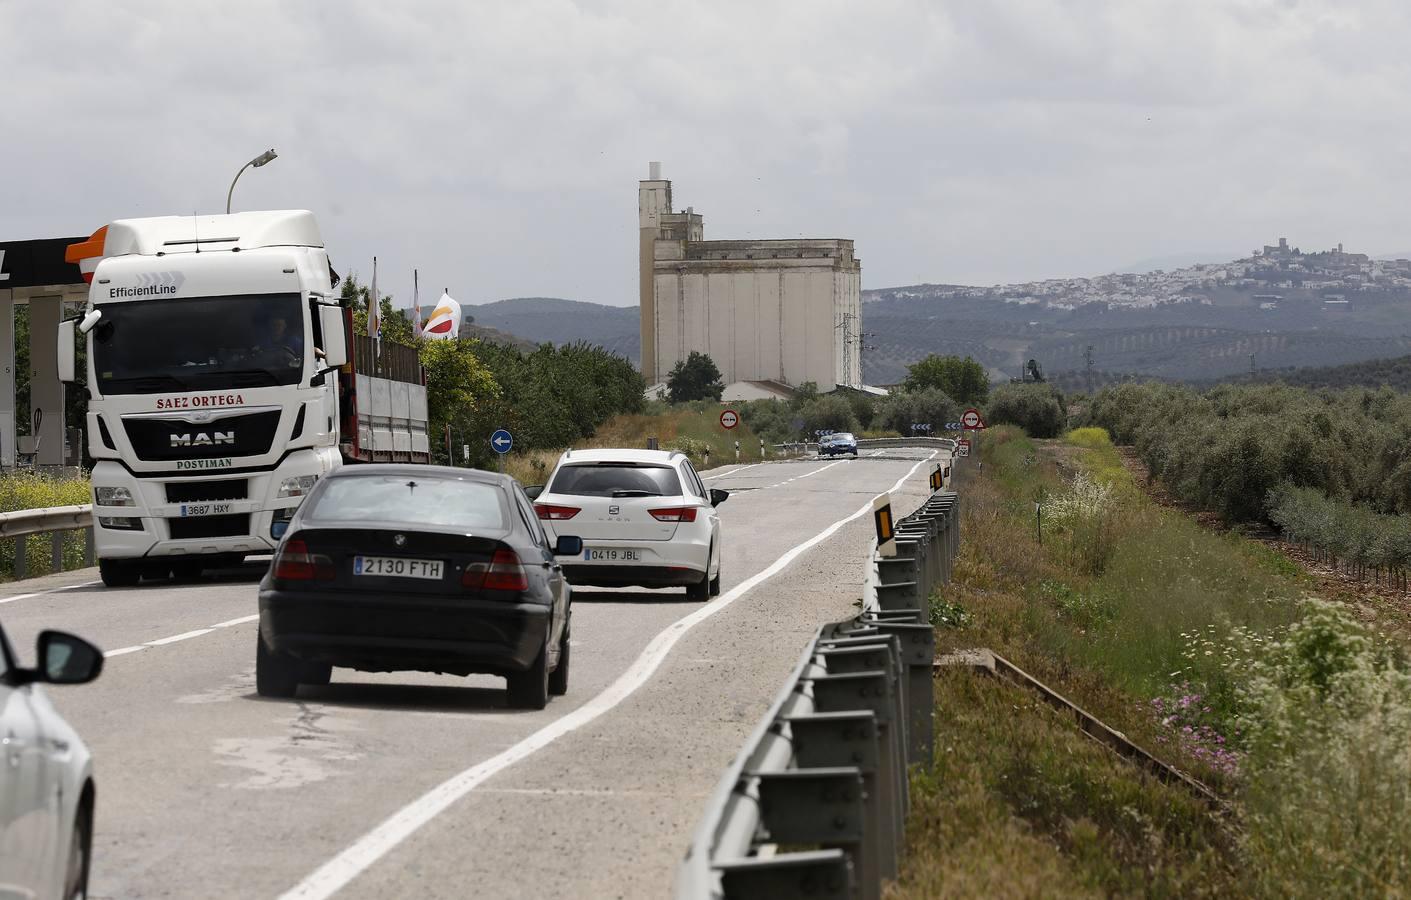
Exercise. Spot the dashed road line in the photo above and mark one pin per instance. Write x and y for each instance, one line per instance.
(184, 636)
(67, 587)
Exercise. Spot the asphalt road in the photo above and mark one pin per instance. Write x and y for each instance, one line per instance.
(427, 786)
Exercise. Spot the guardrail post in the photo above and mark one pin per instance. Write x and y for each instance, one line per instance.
(89, 552)
(873, 691)
(918, 654)
(813, 806)
(20, 568)
(56, 551)
(824, 740)
(813, 874)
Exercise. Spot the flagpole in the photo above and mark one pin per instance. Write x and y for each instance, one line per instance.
(374, 319)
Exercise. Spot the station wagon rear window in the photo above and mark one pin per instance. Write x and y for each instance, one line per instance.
(409, 500)
(616, 480)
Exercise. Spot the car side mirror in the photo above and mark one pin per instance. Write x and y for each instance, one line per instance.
(533, 491)
(67, 659)
(717, 496)
(568, 545)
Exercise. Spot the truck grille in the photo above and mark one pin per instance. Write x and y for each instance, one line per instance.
(175, 439)
(228, 489)
(209, 526)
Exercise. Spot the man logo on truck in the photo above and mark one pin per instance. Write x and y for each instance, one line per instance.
(201, 439)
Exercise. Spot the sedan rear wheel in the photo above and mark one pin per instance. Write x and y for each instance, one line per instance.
(276, 674)
(530, 689)
(558, 679)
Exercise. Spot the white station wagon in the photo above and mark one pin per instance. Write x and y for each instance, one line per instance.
(645, 517)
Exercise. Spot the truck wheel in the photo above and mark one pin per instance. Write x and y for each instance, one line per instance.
(276, 674)
(530, 689)
(186, 570)
(558, 678)
(119, 572)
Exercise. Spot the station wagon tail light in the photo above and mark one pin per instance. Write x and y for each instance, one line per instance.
(296, 563)
(555, 513)
(502, 573)
(674, 514)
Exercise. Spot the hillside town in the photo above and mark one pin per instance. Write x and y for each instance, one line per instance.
(1266, 277)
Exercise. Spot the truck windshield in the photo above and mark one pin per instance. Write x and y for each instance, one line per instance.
(203, 343)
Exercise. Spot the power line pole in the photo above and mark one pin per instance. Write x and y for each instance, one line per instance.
(1253, 371)
(1088, 360)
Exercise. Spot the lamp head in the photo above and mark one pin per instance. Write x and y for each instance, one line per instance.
(263, 158)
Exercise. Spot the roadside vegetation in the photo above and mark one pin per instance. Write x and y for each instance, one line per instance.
(1329, 468)
(1201, 646)
(31, 490)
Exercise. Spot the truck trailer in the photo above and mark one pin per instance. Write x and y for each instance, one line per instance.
(224, 380)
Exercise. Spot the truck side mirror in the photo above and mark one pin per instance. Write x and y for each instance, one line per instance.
(335, 335)
(66, 350)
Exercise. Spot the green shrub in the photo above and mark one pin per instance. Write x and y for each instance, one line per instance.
(1036, 408)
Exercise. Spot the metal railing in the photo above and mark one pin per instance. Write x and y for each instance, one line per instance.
(54, 520)
(875, 444)
(815, 804)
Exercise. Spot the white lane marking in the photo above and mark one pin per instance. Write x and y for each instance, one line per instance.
(878, 452)
(185, 635)
(67, 587)
(804, 475)
(240, 621)
(335, 874)
(731, 472)
(180, 637)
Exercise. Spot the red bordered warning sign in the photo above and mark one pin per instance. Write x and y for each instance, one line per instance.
(729, 419)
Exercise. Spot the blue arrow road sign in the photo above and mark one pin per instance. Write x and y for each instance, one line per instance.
(501, 441)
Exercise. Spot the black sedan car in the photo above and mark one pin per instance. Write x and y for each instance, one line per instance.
(425, 568)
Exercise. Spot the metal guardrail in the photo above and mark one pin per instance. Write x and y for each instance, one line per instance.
(815, 804)
(54, 520)
(875, 444)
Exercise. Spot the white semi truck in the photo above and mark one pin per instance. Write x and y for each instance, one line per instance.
(224, 380)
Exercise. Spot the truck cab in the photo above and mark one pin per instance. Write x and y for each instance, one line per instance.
(219, 366)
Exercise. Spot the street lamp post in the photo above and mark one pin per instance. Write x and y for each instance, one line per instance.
(256, 162)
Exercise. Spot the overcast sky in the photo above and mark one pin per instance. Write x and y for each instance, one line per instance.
(497, 146)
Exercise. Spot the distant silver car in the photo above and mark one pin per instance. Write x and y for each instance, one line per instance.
(46, 773)
(838, 443)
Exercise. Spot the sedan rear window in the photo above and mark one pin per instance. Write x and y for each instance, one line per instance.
(407, 499)
(616, 480)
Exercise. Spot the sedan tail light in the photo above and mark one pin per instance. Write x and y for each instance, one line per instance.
(674, 514)
(296, 563)
(555, 513)
(502, 573)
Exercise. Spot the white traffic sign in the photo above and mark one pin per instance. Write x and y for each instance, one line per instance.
(501, 441)
(729, 419)
(962, 448)
(971, 419)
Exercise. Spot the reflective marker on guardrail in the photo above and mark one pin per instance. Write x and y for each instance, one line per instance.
(886, 530)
